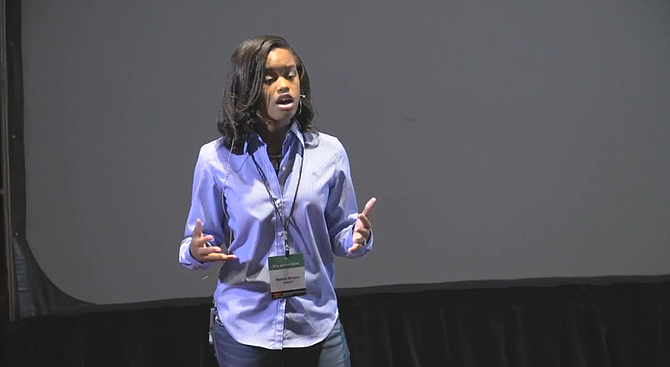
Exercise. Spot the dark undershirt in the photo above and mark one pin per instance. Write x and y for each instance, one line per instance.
(276, 161)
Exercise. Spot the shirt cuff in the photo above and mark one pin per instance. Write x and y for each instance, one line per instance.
(187, 260)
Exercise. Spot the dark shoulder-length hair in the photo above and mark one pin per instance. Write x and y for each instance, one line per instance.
(242, 95)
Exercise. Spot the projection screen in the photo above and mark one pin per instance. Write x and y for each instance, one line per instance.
(503, 140)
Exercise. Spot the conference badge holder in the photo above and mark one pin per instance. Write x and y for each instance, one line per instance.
(287, 273)
(287, 276)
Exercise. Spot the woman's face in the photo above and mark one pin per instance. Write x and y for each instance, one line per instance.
(281, 88)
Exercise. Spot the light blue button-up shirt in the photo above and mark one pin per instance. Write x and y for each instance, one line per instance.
(322, 227)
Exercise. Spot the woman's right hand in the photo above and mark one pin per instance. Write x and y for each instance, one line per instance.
(201, 251)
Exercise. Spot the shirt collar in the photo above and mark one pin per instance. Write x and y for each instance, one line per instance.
(305, 139)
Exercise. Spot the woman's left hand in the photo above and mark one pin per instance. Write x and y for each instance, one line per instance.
(363, 227)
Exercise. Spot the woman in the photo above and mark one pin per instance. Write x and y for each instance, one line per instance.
(273, 202)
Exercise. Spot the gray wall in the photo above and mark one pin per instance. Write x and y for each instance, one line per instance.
(503, 139)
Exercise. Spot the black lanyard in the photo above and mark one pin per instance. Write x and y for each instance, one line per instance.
(282, 217)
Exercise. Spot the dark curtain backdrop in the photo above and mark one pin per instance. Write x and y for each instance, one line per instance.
(623, 324)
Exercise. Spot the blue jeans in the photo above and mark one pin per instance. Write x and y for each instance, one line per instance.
(332, 352)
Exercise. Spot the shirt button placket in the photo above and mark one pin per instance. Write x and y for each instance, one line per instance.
(280, 322)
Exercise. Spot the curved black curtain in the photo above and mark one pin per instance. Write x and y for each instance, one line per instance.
(37, 295)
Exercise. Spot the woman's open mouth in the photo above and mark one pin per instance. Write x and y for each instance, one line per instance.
(285, 102)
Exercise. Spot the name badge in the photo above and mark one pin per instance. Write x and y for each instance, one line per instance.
(287, 276)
